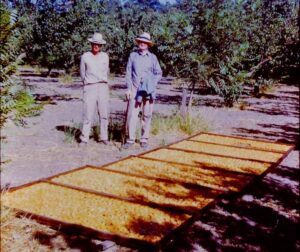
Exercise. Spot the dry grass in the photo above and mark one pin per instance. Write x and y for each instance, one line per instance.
(243, 105)
(17, 234)
(37, 69)
(175, 123)
(268, 87)
(72, 132)
(66, 79)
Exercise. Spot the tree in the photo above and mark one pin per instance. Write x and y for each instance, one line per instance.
(14, 97)
(228, 42)
(60, 31)
(123, 24)
(220, 44)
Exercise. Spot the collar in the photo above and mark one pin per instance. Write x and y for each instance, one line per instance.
(147, 53)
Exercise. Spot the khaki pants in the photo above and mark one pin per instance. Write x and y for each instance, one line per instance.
(133, 112)
(95, 96)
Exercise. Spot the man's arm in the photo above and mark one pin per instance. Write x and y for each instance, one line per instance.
(128, 78)
(82, 68)
(157, 72)
(108, 69)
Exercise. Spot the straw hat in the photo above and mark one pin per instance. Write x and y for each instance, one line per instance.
(97, 39)
(144, 37)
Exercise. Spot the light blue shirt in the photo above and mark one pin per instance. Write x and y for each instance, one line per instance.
(141, 67)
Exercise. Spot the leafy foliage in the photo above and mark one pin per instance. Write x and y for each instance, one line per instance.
(231, 35)
(220, 44)
(14, 98)
(122, 24)
(60, 33)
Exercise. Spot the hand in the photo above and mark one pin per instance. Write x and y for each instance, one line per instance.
(128, 94)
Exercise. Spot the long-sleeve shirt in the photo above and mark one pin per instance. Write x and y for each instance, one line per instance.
(140, 67)
(94, 68)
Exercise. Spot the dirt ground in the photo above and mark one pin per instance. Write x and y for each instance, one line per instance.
(262, 219)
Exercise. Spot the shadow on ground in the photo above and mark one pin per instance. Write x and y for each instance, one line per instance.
(69, 131)
(286, 133)
(60, 242)
(266, 217)
(52, 99)
(263, 220)
(284, 103)
(288, 108)
(116, 129)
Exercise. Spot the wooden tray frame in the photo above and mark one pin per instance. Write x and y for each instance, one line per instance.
(76, 229)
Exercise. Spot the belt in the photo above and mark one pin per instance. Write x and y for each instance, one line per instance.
(99, 82)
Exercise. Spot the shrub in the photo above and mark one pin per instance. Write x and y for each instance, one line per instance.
(66, 79)
(72, 133)
(25, 107)
(15, 99)
(175, 123)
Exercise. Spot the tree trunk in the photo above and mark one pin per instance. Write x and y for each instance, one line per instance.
(183, 109)
(191, 98)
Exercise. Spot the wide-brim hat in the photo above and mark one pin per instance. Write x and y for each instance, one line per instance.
(97, 39)
(144, 37)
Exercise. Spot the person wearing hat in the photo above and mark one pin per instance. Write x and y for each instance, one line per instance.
(143, 72)
(94, 69)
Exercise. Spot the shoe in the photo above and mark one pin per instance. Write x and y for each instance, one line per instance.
(105, 142)
(127, 145)
(144, 145)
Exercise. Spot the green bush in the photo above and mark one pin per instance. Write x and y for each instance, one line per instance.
(25, 107)
(15, 100)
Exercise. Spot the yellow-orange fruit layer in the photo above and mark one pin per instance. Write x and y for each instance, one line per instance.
(228, 151)
(148, 190)
(183, 173)
(93, 211)
(203, 160)
(237, 142)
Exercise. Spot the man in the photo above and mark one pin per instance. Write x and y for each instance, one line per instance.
(94, 68)
(143, 72)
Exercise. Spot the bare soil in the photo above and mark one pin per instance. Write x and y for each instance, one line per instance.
(264, 217)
